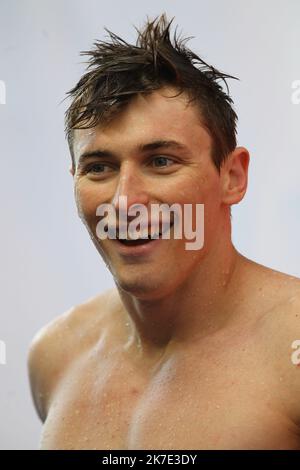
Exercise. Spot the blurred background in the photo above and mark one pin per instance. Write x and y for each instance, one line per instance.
(48, 261)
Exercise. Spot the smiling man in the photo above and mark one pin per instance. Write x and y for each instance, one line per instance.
(192, 348)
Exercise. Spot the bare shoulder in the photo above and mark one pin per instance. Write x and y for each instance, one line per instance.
(284, 340)
(278, 295)
(269, 287)
(283, 293)
(58, 343)
(278, 331)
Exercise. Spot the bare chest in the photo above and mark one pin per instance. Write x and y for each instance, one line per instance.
(194, 402)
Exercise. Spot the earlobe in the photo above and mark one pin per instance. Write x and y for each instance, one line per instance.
(235, 176)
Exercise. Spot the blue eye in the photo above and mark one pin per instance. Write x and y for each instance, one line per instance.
(93, 168)
(162, 161)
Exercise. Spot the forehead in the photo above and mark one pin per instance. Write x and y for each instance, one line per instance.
(148, 117)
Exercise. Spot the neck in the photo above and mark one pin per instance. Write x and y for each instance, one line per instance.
(203, 304)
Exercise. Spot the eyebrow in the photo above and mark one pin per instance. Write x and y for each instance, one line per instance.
(142, 148)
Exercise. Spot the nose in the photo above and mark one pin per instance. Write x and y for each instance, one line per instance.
(132, 185)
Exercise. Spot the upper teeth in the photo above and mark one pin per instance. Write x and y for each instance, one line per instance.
(156, 235)
(144, 234)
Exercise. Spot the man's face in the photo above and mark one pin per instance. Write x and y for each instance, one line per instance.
(166, 175)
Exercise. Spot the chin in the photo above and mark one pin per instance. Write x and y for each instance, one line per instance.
(142, 287)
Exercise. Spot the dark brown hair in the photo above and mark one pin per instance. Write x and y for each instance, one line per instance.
(117, 71)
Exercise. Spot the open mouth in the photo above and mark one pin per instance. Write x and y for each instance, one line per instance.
(139, 241)
(143, 240)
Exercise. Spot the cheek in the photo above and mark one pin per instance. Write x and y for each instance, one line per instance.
(209, 184)
(202, 188)
(87, 201)
(205, 189)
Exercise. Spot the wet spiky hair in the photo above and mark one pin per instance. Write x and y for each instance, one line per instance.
(117, 71)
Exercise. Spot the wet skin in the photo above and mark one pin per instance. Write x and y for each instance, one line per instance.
(191, 350)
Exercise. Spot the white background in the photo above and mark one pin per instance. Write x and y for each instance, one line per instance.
(48, 261)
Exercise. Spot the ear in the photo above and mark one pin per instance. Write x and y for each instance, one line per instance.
(234, 176)
(71, 170)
